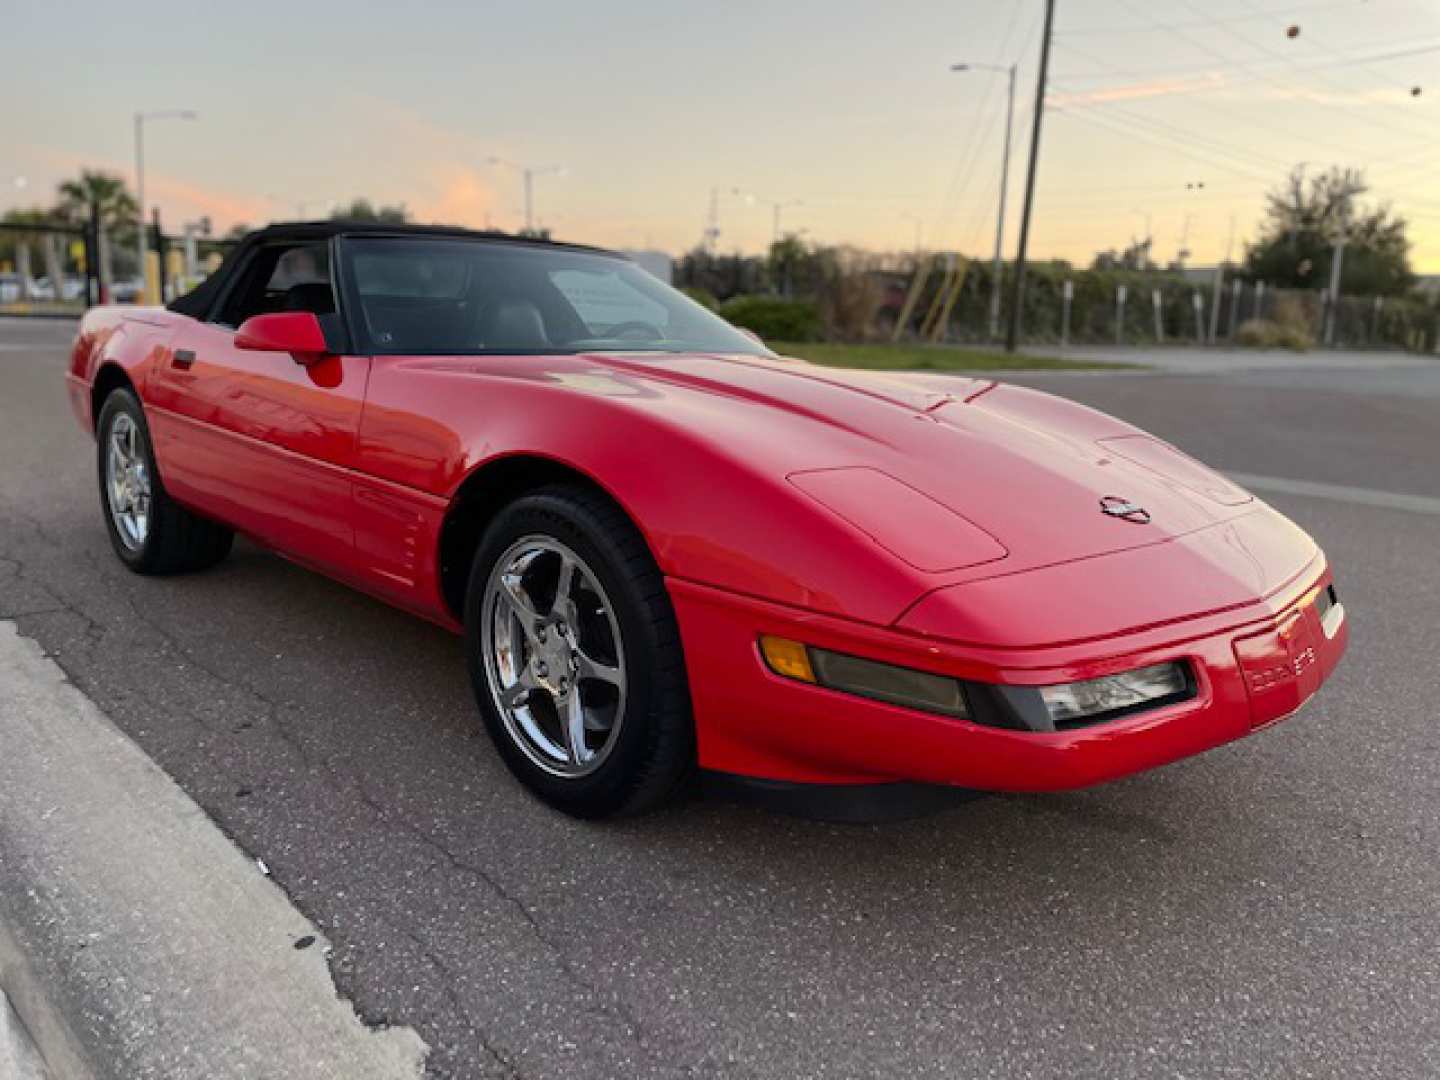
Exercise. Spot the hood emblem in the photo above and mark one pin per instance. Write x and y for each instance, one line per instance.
(1125, 510)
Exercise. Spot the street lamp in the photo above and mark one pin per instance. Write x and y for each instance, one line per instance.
(777, 206)
(1004, 183)
(140, 118)
(529, 172)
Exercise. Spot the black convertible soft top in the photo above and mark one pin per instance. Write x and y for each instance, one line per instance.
(198, 300)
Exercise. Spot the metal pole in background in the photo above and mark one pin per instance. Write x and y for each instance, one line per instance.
(160, 281)
(140, 197)
(93, 293)
(140, 118)
(1120, 292)
(1000, 219)
(1335, 288)
(1237, 290)
(1069, 296)
(1220, 283)
(1156, 303)
(529, 200)
(1017, 288)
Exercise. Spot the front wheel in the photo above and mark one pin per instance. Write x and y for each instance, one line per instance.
(575, 656)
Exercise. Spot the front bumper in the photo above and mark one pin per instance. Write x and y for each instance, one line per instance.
(1252, 667)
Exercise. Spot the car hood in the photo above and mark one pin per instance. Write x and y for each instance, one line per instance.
(1024, 468)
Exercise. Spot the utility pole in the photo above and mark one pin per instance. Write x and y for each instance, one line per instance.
(1017, 289)
(1335, 265)
(1220, 283)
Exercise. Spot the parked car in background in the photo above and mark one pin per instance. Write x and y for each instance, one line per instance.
(126, 291)
(12, 288)
(72, 288)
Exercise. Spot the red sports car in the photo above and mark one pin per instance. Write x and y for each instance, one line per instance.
(669, 548)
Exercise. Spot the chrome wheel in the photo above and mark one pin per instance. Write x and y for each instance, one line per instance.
(553, 656)
(127, 481)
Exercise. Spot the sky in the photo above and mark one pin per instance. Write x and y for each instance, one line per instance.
(845, 112)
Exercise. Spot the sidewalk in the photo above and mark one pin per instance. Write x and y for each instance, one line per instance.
(136, 941)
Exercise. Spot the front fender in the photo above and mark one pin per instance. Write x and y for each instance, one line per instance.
(712, 502)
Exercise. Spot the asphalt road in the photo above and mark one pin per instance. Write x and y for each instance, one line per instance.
(1271, 909)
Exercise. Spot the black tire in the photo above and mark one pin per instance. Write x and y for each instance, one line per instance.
(175, 539)
(653, 756)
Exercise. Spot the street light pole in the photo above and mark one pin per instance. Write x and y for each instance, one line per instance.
(529, 173)
(777, 206)
(999, 264)
(1017, 289)
(140, 118)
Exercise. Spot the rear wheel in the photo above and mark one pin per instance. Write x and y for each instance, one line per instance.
(575, 655)
(150, 532)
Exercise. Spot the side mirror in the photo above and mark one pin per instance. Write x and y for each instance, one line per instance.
(295, 332)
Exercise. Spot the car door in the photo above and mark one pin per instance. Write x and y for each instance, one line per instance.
(257, 439)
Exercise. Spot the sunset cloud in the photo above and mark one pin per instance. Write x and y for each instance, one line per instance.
(1139, 91)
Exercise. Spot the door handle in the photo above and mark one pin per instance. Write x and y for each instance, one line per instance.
(183, 358)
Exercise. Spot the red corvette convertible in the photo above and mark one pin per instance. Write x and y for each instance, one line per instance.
(668, 548)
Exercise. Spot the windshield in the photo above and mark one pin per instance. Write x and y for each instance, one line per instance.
(443, 295)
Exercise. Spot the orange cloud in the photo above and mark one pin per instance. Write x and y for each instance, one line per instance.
(1138, 91)
(462, 198)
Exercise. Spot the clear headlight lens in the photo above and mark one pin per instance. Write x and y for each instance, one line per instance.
(1068, 702)
(865, 678)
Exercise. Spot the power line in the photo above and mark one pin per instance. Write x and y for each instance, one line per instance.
(965, 169)
(1280, 56)
(1170, 143)
(1246, 117)
(1254, 68)
(1257, 16)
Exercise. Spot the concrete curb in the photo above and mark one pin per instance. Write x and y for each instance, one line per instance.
(141, 942)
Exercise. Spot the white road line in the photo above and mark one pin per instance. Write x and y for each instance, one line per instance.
(151, 937)
(1389, 500)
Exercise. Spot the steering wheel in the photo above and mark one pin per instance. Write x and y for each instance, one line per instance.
(636, 330)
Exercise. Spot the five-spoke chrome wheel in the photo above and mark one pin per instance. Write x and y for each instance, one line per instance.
(127, 481)
(554, 656)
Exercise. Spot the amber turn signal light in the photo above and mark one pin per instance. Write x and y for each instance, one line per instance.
(786, 657)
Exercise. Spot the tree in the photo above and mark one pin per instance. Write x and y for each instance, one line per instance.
(1135, 257)
(118, 208)
(1305, 217)
(363, 210)
(119, 214)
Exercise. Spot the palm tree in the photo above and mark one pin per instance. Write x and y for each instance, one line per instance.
(106, 191)
(118, 210)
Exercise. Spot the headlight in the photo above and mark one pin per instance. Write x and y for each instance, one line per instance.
(1147, 686)
(865, 678)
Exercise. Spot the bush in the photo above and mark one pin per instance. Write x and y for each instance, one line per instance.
(1266, 334)
(704, 297)
(774, 318)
